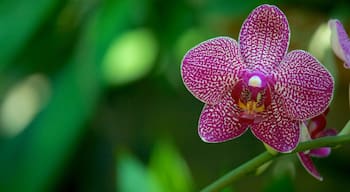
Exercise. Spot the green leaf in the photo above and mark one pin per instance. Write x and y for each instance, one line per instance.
(132, 175)
(346, 129)
(18, 22)
(50, 140)
(282, 178)
(170, 169)
(281, 183)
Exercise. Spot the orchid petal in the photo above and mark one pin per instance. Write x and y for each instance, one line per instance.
(327, 132)
(320, 152)
(306, 85)
(220, 122)
(264, 38)
(276, 129)
(317, 125)
(210, 69)
(340, 41)
(306, 161)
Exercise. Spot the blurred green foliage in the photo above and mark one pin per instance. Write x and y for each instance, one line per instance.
(166, 171)
(91, 97)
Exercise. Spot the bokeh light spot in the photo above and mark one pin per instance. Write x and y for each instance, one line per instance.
(130, 57)
(320, 41)
(22, 103)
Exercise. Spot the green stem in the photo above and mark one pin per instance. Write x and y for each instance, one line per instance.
(259, 160)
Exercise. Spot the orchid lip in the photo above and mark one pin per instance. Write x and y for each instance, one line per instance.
(252, 94)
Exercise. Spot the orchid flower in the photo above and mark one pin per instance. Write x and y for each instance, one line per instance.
(316, 129)
(255, 83)
(340, 41)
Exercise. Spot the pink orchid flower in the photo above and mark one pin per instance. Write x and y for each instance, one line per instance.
(340, 41)
(316, 128)
(255, 83)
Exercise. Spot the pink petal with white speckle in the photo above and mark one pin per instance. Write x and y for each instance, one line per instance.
(276, 129)
(306, 85)
(264, 38)
(306, 161)
(210, 69)
(340, 41)
(220, 122)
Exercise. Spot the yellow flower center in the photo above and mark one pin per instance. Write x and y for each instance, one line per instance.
(251, 107)
(252, 95)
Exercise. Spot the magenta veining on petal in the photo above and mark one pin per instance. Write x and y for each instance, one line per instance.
(340, 41)
(255, 83)
(316, 127)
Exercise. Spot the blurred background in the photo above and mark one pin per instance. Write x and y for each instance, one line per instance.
(91, 97)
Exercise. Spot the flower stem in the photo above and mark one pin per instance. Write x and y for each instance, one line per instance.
(240, 171)
(264, 157)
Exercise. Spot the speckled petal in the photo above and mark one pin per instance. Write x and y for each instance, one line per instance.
(306, 85)
(210, 69)
(340, 41)
(264, 38)
(306, 161)
(276, 129)
(219, 123)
